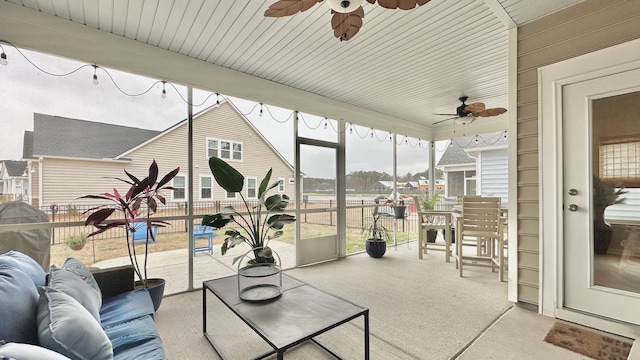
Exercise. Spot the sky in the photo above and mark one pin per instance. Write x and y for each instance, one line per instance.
(37, 83)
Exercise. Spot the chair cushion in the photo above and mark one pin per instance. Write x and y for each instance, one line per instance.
(18, 299)
(20, 351)
(125, 307)
(72, 285)
(136, 339)
(66, 327)
(78, 268)
(25, 264)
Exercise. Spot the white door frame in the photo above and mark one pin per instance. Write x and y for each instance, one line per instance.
(551, 78)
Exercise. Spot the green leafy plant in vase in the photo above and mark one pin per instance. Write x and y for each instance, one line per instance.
(429, 204)
(259, 223)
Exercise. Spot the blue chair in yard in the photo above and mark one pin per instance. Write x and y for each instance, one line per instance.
(140, 235)
(203, 232)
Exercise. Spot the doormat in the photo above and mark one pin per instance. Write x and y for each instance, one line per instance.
(588, 343)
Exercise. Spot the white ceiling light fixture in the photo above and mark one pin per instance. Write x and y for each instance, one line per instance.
(465, 120)
(344, 6)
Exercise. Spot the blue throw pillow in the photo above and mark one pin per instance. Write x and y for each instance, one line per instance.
(25, 264)
(28, 352)
(72, 285)
(78, 268)
(66, 327)
(18, 299)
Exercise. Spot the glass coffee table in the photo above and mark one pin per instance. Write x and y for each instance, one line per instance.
(301, 313)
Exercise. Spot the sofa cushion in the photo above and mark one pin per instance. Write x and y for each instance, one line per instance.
(136, 339)
(70, 284)
(20, 351)
(78, 268)
(124, 307)
(66, 327)
(18, 299)
(25, 264)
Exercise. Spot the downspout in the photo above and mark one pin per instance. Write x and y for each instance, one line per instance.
(30, 182)
(40, 195)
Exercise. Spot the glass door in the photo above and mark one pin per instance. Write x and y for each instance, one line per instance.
(601, 144)
(318, 220)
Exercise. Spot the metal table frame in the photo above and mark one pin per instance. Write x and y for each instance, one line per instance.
(233, 302)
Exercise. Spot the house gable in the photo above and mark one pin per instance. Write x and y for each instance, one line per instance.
(168, 148)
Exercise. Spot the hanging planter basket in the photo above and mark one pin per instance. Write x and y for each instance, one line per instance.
(398, 211)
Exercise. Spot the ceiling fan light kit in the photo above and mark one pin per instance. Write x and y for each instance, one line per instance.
(344, 6)
(347, 14)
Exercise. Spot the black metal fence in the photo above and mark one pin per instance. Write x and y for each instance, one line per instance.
(358, 214)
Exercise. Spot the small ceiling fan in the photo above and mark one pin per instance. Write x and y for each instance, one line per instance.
(347, 14)
(466, 114)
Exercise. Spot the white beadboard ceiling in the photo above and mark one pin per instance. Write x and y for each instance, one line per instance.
(400, 69)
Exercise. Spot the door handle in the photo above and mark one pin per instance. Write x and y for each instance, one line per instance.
(572, 192)
(573, 207)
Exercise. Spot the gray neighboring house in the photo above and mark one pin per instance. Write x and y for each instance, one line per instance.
(72, 157)
(480, 168)
(14, 180)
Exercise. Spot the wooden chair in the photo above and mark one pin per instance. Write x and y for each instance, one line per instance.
(432, 220)
(480, 226)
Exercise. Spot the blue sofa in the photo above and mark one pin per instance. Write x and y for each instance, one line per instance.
(73, 312)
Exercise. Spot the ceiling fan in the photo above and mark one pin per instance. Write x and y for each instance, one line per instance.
(466, 114)
(347, 15)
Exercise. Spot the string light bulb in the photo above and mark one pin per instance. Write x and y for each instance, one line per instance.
(325, 123)
(505, 134)
(406, 141)
(350, 128)
(371, 133)
(260, 114)
(3, 57)
(450, 142)
(217, 98)
(477, 138)
(95, 75)
(164, 91)
(390, 137)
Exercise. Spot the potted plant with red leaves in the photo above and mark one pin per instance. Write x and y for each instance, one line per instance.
(134, 209)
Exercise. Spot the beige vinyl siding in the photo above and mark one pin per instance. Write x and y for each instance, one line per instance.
(586, 27)
(257, 155)
(67, 179)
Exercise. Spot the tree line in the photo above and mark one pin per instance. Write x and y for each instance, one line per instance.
(364, 180)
